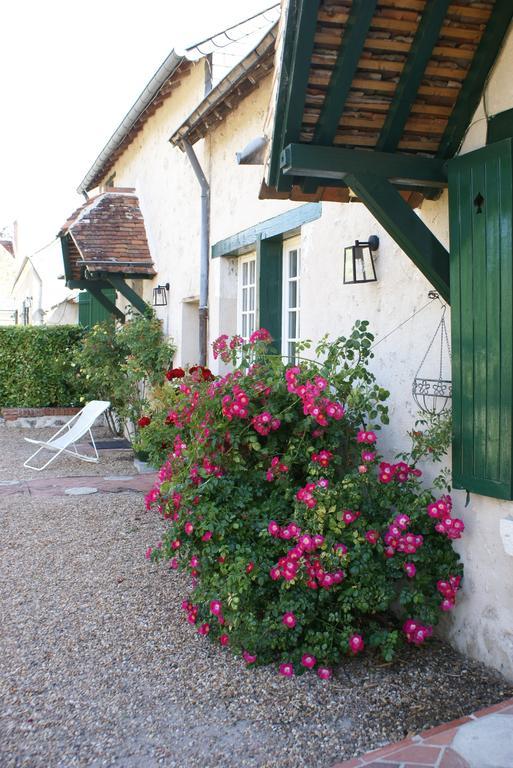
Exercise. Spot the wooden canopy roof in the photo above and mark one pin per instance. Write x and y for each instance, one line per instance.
(396, 76)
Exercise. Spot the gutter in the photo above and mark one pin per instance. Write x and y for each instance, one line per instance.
(226, 86)
(204, 250)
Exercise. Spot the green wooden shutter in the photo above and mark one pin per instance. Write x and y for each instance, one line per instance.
(90, 311)
(269, 254)
(480, 215)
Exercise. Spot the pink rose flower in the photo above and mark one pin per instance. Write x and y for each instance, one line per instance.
(324, 673)
(289, 620)
(356, 643)
(287, 670)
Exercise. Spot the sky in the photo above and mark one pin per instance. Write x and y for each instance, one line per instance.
(69, 72)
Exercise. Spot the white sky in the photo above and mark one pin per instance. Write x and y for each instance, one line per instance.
(69, 72)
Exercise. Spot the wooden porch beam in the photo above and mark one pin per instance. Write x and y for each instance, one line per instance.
(337, 162)
(420, 53)
(119, 284)
(344, 70)
(407, 229)
(294, 75)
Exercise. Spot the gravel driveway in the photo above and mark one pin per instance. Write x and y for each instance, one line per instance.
(98, 667)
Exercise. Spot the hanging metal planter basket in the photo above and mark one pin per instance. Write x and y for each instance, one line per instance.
(433, 393)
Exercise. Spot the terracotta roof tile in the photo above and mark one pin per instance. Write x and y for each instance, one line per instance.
(8, 245)
(107, 234)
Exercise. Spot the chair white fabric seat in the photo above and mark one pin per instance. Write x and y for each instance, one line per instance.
(79, 425)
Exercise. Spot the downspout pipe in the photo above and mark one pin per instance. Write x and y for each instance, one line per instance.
(204, 249)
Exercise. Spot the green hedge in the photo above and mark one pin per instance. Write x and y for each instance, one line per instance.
(35, 366)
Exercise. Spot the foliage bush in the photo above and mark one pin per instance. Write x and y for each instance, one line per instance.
(122, 364)
(35, 366)
(302, 544)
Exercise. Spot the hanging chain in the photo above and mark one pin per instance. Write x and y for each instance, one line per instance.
(433, 295)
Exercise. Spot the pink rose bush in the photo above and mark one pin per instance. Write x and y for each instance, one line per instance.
(295, 555)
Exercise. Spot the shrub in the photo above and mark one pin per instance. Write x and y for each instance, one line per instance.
(302, 544)
(35, 366)
(122, 364)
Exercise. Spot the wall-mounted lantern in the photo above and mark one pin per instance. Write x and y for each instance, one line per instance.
(160, 295)
(359, 261)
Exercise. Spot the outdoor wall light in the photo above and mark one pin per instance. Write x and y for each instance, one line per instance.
(359, 262)
(160, 295)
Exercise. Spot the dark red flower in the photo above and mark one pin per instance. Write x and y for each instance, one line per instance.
(175, 373)
(202, 372)
(144, 421)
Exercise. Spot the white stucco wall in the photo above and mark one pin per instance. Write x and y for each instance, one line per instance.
(169, 196)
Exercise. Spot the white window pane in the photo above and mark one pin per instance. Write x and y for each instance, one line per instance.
(252, 271)
(251, 324)
(292, 325)
(245, 273)
(292, 263)
(252, 299)
(293, 302)
(244, 299)
(244, 326)
(292, 350)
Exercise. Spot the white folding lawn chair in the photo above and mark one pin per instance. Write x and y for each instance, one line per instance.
(68, 435)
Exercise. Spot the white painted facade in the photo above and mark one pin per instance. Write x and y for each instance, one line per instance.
(482, 624)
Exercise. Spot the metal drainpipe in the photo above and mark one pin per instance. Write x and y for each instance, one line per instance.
(204, 249)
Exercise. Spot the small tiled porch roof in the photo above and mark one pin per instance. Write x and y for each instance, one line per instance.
(107, 236)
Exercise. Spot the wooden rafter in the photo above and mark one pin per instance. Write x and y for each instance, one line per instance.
(472, 88)
(426, 36)
(344, 70)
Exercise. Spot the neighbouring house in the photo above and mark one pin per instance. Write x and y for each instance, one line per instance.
(7, 272)
(66, 312)
(390, 118)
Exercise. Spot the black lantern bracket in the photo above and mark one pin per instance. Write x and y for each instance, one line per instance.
(160, 294)
(359, 261)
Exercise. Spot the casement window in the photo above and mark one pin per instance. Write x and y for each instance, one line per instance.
(291, 304)
(268, 264)
(247, 296)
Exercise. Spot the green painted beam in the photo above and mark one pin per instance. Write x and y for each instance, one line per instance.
(135, 300)
(344, 70)
(65, 258)
(104, 300)
(295, 70)
(285, 69)
(411, 77)
(337, 162)
(84, 284)
(407, 229)
(285, 224)
(472, 88)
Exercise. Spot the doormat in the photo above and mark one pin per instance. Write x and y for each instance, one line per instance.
(112, 445)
